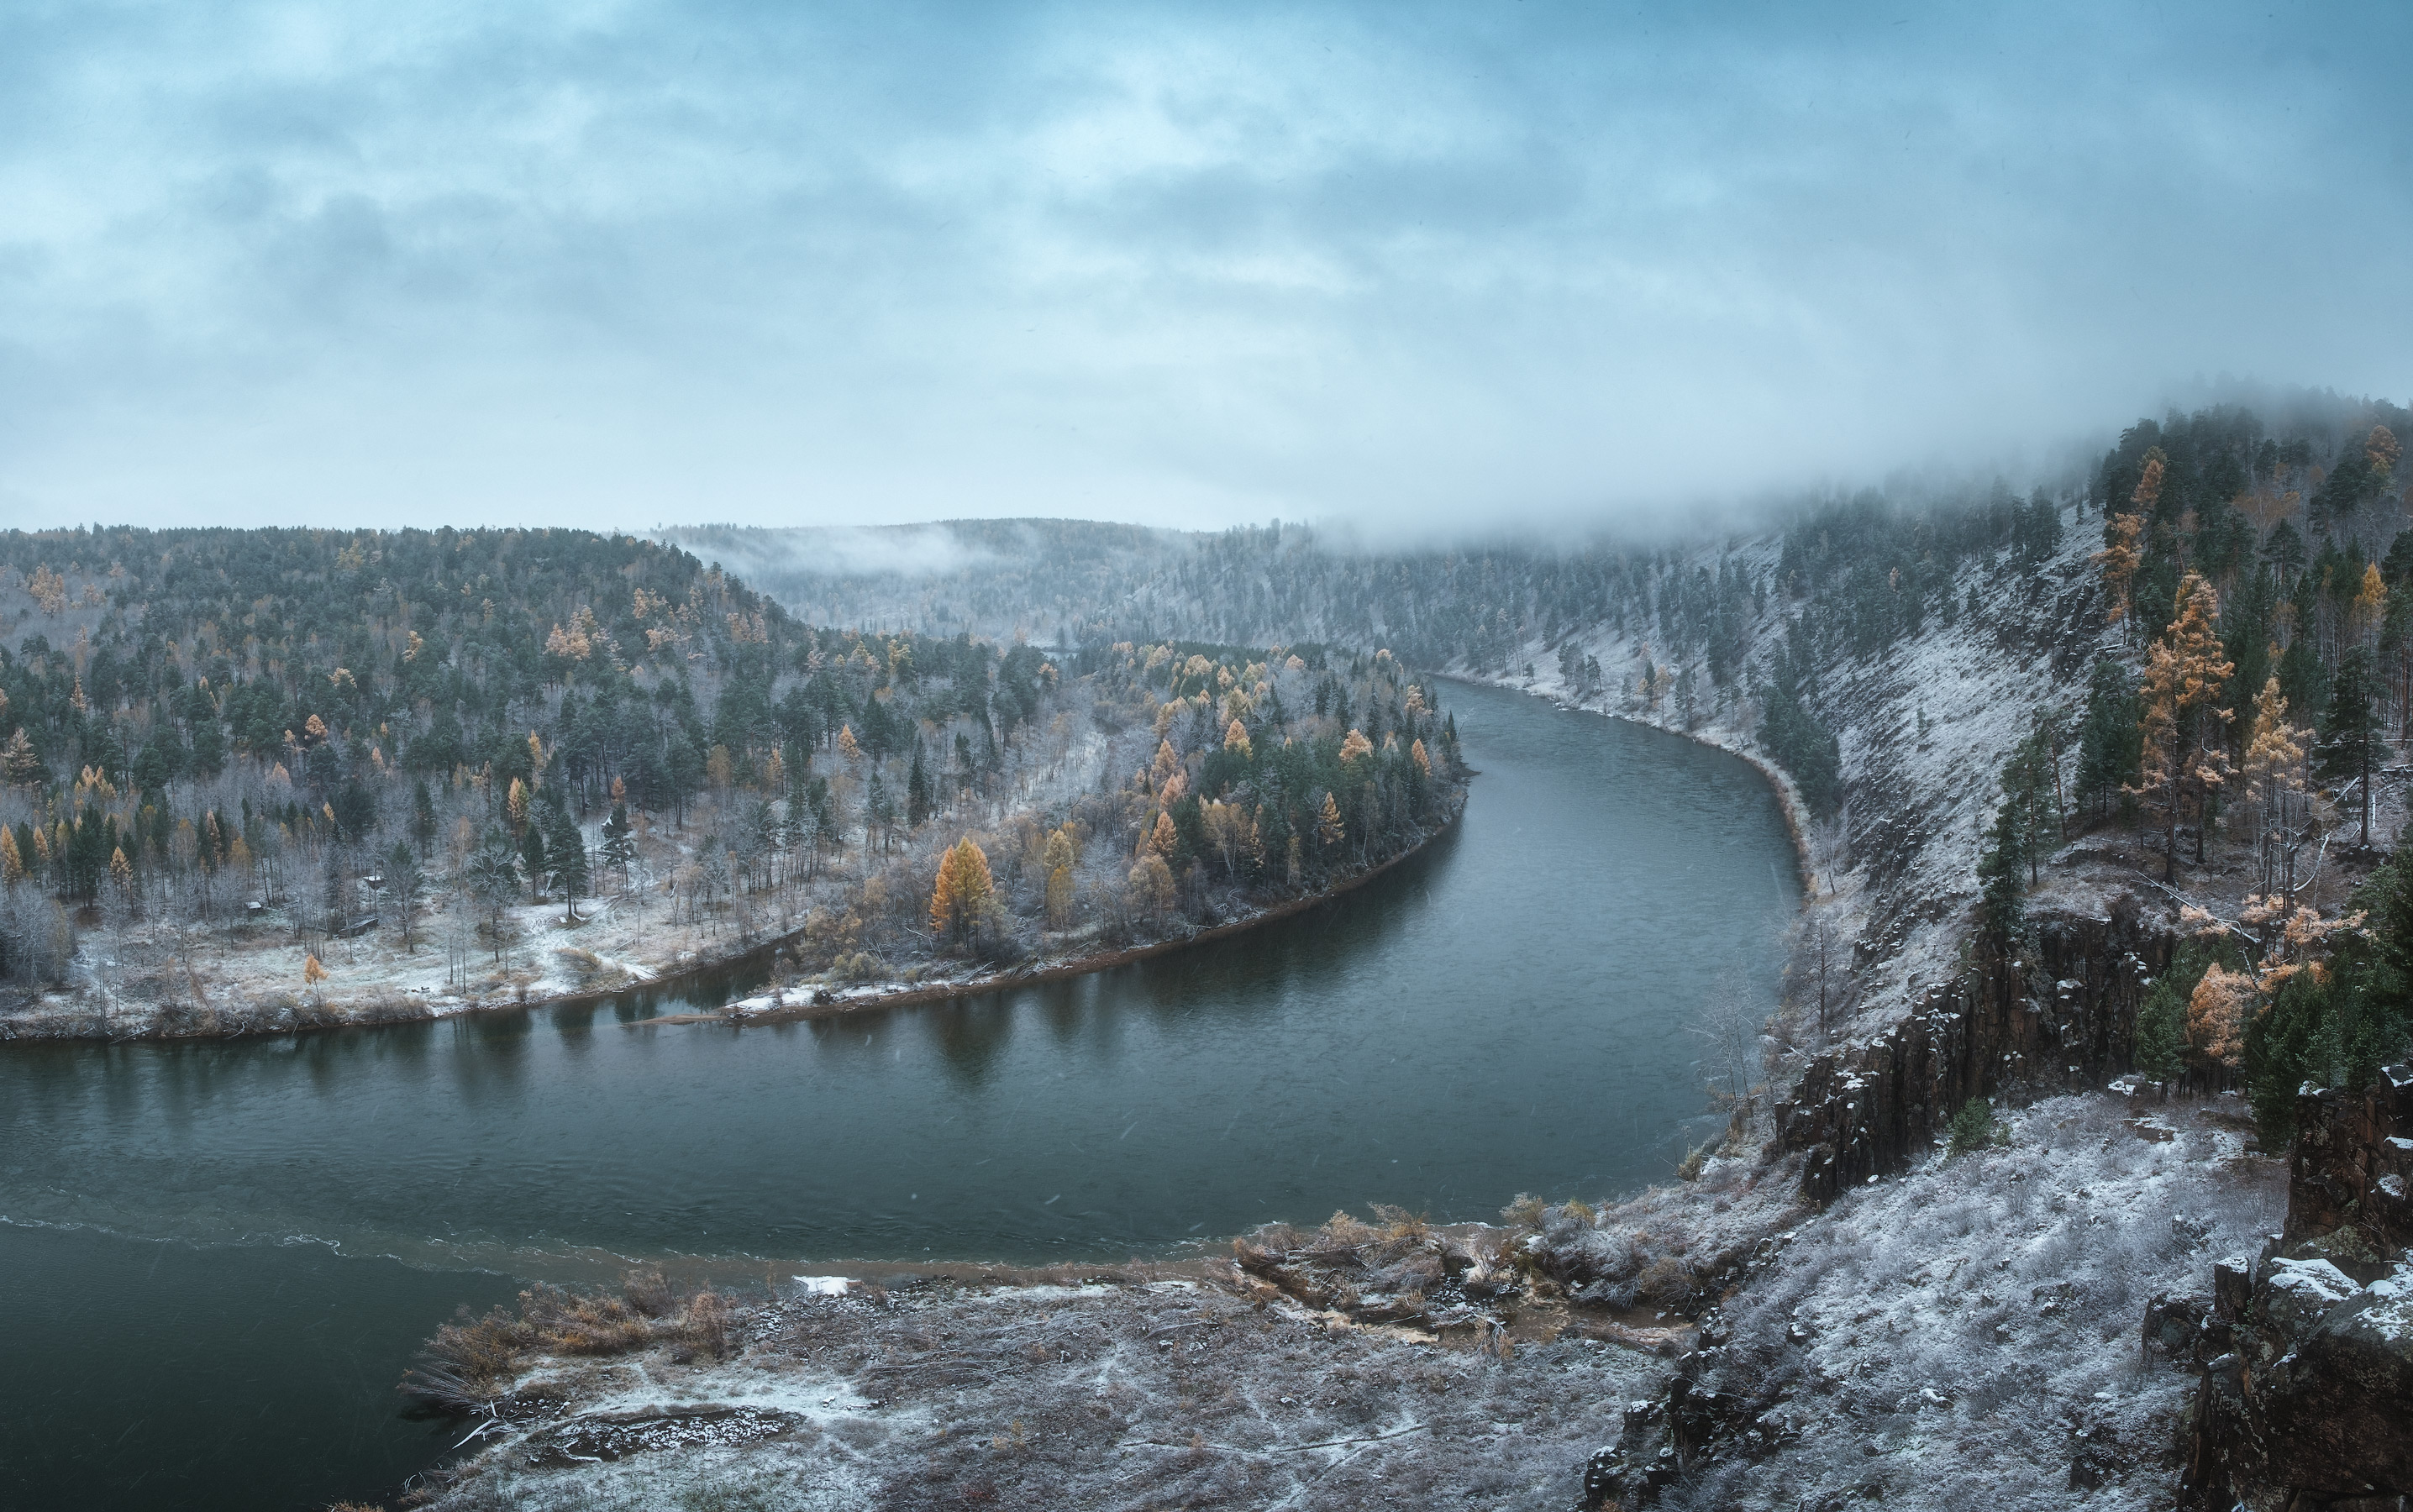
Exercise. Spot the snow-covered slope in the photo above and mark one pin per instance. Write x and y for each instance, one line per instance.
(1924, 729)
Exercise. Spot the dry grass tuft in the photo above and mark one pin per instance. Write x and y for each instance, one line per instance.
(474, 1364)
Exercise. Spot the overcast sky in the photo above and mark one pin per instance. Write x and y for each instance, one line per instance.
(619, 264)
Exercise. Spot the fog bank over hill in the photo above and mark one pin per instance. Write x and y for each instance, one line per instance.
(572, 265)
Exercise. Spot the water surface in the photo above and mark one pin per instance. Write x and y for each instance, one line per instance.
(1508, 1012)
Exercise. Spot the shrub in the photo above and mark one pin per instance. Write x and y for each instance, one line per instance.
(1975, 1127)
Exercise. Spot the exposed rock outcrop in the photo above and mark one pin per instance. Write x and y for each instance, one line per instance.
(2351, 1170)
(2058, 1015)
(2306, 1356)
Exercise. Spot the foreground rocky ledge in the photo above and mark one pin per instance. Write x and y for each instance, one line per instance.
(1162, 1387)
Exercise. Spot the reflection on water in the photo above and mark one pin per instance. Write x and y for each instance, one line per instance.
(1504, 1013)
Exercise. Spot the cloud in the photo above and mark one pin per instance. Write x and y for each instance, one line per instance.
(620, 264)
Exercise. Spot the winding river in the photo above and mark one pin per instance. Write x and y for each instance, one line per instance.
(221, 1256)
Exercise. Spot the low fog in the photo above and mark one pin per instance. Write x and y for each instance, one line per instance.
(1409, 268)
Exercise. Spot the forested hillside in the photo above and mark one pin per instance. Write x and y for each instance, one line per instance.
(575, 760)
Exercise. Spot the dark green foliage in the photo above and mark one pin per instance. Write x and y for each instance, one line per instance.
(2350, 730)
(1806, 750)
(2161, 1032)
(2162, 1017)
(565, 853)
(2032, 792)
(2002, 879)
(2303, 681)
(1975, 1127)
(2111, 747)
(619, 846)
(532, 857)
(2340, 1031)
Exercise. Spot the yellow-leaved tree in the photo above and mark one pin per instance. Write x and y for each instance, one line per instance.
(1151, 886)
(2370, 607)
(2278, 805)
(1329, 831)
(1058, 862)
(965, 899)
(2180, 699)
(2216, 1016)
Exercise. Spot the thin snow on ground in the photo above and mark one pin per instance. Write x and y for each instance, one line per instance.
(1962, 1335)
(1089, 1396)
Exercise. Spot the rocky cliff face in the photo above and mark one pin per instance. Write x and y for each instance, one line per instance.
(2348, 1173)
(2305, 1353)
(2057, 1017)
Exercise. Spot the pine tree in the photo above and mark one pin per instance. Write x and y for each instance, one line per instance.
(917, 790)
(2032, 791)
(2109, 745)
(566, 854)
(2350, 733)
(620, 841)
(2001, 890)
(532, 857)
(2161, 1032)
(423, 815)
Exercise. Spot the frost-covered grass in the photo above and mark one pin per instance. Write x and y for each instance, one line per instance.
(1960, 1335)
(1161, 1393)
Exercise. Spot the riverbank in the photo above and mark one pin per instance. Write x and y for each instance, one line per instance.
(777, 1007)
(1078, 1386)
(606, 963)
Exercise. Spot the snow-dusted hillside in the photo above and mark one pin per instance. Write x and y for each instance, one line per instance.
(1924, 730)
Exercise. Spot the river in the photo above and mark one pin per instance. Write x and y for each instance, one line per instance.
(221, 1255)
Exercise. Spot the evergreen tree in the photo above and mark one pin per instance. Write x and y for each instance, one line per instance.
(2109, 743)
(2002, 887)
(565, 853)
(917, 790)
(619, 846)
(532, 857)
(423, 815)
(2161, 1032)
(2303, 680)
(2350, 732)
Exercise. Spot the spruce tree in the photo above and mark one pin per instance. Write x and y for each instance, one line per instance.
(2110, 747)
(619, 843)
(566, 855)
(2350, 730)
